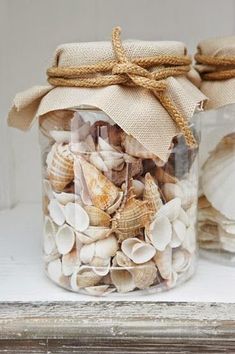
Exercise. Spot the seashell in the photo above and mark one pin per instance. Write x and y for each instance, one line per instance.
(60, 136)
(50, 155)
(80, 132)
(65, 198)
(181, 260)
(164, 177)
(138, 187)
(51, 257)
(56, 212)
(107, 247)
(122, 260)
(76, 216)
(98, 162)
(118, 177)
(99, 290)
(145, 275)
(47, 189)
(93, 233)
(183, 216)
(137, 250)
(151, 194)
(80, 184)
(84, 277)
(70, 261)
(49, 236)
(218, 175)
(45, 203)
(54, 270)
(133, 147)
(65, 239)
(103, 145)
(189, 242)
(122, 279)
(171, 209)
(60, 170)
(116, 204)
(110, 133)
(183, 189)
(178, 233)
(131, 217)
(159, 232)
(59, 119)
(97, 216)
(163, 261)
(100, 266)
(203, 203)
(103, 193)
(87, 253)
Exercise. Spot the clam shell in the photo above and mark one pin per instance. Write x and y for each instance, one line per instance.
(151, 194)
(183, 189)
(163, 261)
(65, 239)
(107, 247)
(103, 193)
(218, 175)
(97, 161)
(49, 236)
(65, 198)
(122, 279)
(60, 170)
(133, 147)
(101, 266)
(56, 212)
(145, 275)
(70, 261)
(159, 233)
(97, 216)
(84, 277)
(171, 209)
(93, 233)
(137, 250)
(181, 260)
(122, 260)
(87, 253)
(59, 119)
(178, 233)
(76, 216)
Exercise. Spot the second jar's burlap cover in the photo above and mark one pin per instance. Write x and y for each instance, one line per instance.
(219, 91)
(134, 109)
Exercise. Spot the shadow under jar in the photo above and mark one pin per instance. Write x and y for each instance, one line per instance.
(116, 219)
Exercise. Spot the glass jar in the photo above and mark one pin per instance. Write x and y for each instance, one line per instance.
(116, 218)
(216, 202)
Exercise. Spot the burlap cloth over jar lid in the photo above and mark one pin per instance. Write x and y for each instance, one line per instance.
(216, 64)
(135, 109)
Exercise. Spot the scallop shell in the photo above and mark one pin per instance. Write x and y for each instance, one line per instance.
(49, 236)
(138, 251)
(163, 261)
(84, 277)
(60, 171)
(97, 216)
(59, 119)
(56, 211)
(65, 239)
(133, 147)
(94, 233)
(218, 175)
(151, 194)
(76, 216)
(103, 193)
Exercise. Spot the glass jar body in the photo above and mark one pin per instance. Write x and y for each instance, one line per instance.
(217, 187)
(116, 218)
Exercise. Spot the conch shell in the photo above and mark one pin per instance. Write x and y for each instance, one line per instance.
(103, 193)
(152, 194)
(60, 171)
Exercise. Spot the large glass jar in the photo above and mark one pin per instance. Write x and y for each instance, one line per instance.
(217, 185)
(116, 219)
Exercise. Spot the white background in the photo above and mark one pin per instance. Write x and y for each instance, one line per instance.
(30, 30)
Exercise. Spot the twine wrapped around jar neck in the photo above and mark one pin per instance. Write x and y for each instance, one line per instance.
(130, 73)
(219, 67)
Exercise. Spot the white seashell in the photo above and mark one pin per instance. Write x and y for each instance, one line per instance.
(106, 248)
(65, 239)
(170, 283)
(76, 216)
(93, 233)
(47, 189)
(178, 233)
(101, 266)
(87, 253)
(180, 260)
(218, 175)
(61, 136)
(84, 277)
(122, 260)
(58, 119)
(183, 216)
(69, 262)
(98, 162)
(144, 275)
(54, 270)
(104, 145)
(122, 279)
(160, 232)
(65, 198)
(163, 261)
(137, 250)
(138, 187)
(49, 236)
(51, 257)
(99, 290)
(56, 212)
(183, 189)
(171, 209)
(116, 204)
(189, 242)
(171, 191)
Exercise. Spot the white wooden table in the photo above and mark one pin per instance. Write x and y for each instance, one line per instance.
(37, 316)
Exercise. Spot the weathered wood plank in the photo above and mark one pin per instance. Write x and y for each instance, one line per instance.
(118, 327)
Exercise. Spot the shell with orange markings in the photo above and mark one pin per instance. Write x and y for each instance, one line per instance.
(152, 194)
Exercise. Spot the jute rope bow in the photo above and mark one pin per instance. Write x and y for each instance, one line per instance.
(219, 68)
(132, 73)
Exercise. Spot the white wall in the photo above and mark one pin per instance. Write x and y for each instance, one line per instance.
(31, 30)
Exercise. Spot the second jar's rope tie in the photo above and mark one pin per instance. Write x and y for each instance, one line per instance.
(219, 68)
(132, 73)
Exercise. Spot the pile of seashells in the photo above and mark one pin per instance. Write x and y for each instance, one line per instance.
(116, 219)
(217, 212)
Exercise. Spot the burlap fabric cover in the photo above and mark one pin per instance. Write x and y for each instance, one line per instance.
(219, 92)
(135, 110)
